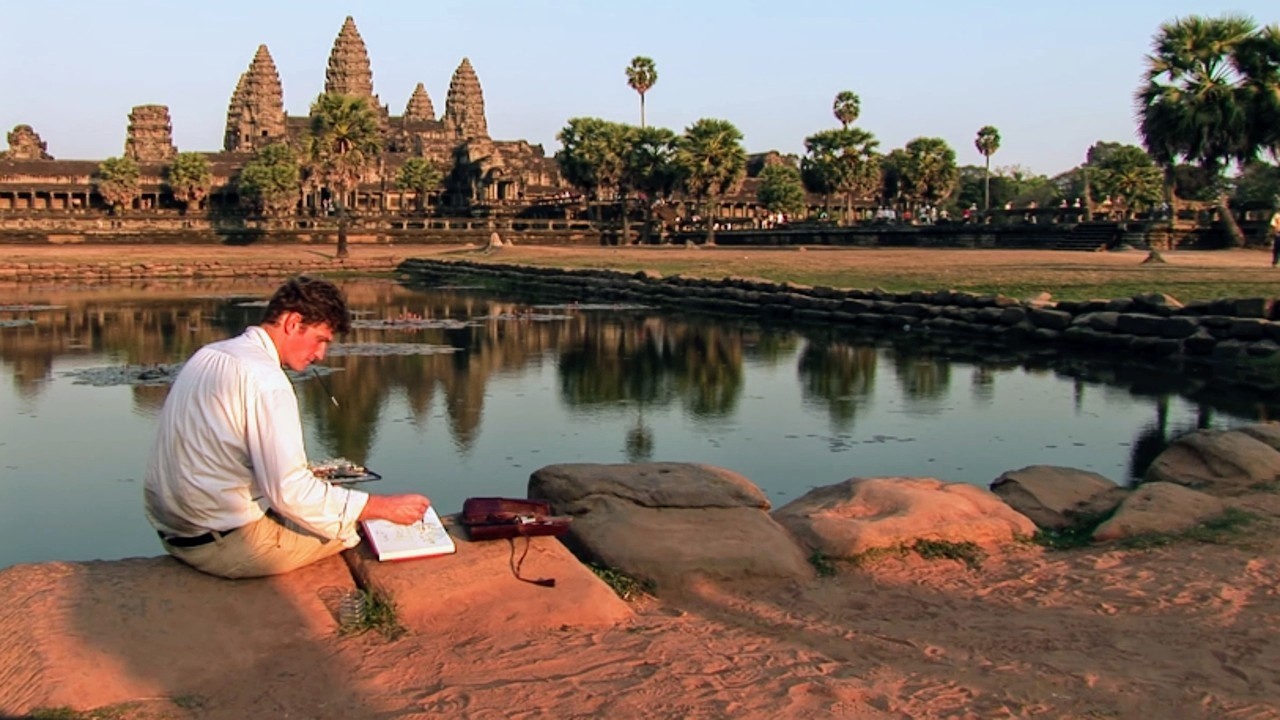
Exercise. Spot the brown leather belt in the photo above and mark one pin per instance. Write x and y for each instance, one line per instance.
(194, 541)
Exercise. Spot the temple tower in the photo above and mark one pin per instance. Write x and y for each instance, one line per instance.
(419, 107)
(255, 117)
(464, 106)
(150, 136)
(349, 72)
(25, 144)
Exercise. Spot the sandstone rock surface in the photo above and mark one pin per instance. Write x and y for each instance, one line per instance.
(1056, 497)
(1159, 507)
(669, 522)
(859, 514)
(1217, 462)
(476, 590)
(86, 634)
(1268, 432)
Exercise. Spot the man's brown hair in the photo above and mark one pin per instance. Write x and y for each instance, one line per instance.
(317, 301)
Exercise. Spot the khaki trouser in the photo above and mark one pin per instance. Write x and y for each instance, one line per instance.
(268, 546)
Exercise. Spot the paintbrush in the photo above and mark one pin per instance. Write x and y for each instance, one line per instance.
(324, 386)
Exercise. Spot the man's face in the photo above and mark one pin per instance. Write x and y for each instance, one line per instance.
(303, 344)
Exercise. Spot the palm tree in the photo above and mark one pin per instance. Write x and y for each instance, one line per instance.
(987, 142)
(593, 156)
(1257, 59)
(1127, 174)
(642, 75)
(650, 170)
(421, 176)
(189, 178)
(711, 157)
(847, 107)
(119, 182)
(343, 146)
(1192, 104)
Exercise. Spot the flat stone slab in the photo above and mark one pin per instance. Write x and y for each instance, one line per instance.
(87, 634)
(1056, 497)
(476, 591)
(670, 522)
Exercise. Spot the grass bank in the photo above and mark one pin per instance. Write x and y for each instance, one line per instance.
(1066, 275)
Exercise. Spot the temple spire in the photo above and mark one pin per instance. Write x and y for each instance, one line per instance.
(349, 72)
(255, 116)
(419, 107)
(464, 106)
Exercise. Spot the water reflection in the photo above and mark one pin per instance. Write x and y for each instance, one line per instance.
(525, 385)
(839, 376)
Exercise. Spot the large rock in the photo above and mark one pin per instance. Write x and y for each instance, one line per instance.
(1217, 462)
(1057, 497)
(87, 634)
(475, 590)
(670, 521)
(859, 514)
(1159, 507)
(1267, 432)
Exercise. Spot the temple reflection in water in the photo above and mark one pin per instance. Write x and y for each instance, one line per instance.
(469, 391)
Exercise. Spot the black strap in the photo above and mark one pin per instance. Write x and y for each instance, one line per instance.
(515, 565)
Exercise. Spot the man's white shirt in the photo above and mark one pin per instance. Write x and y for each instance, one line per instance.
(229, 446)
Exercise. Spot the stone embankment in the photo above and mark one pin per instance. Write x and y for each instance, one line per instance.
(1240, 334)
(150, 270)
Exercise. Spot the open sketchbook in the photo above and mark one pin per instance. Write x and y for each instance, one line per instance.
(424, 538)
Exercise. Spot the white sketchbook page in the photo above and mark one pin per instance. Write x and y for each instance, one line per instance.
(424, 538)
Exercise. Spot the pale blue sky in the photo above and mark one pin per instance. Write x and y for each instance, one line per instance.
(1053, 77)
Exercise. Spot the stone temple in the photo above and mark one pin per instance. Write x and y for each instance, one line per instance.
(483, 177)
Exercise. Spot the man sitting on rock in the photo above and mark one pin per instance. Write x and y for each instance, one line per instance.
(228, 487)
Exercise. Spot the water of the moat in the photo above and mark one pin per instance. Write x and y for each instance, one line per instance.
(457, 392)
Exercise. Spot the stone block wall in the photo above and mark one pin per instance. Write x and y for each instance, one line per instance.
(1241, 335)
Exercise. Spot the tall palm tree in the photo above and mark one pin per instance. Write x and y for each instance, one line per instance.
(343, 147)
(847, 107)
(1191, 104)
(650, 170)
(642, 75)
(1257, 59)
(987, 142)
(711, 157)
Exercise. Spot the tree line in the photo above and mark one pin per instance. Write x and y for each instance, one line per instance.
(1208, 104)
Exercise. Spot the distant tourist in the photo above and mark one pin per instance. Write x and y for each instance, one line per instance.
(1275, 238)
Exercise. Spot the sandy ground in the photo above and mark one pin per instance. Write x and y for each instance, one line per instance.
(1184, 631)
(1187, 630)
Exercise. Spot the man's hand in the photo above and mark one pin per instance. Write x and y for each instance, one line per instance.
(399, 509)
